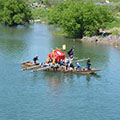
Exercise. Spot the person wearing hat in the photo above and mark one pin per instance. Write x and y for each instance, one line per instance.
(88, 64)
(78, 67)
(35, 59)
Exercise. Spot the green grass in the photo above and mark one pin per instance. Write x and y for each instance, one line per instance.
(60, 32)
(115, 32)
(114, 27)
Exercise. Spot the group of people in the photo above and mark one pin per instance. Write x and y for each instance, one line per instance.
(71, 52)
(67, 62)
(88, 65)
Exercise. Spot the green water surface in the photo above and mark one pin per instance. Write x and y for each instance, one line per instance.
(51, 95)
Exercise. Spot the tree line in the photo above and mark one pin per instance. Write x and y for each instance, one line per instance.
(76, 17)
(79, 18)
(14, 12)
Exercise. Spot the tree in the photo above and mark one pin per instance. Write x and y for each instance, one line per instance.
(55, 13)
(14, 12)
(39, 13)
(80, 18)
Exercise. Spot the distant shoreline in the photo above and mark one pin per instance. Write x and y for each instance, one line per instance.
(113, 40)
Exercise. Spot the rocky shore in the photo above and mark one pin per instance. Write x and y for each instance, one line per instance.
(113, 40)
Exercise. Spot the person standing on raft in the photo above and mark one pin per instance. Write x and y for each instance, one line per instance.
(35, 59)
(88, 64)
(71, 52)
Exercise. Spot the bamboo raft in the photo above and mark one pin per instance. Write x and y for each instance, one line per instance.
(82, 71)
(37, 67)
(29, 64)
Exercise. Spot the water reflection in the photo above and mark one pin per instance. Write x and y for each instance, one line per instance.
(11, 40)
(23, 42)
(58, 81)
(14, 32)
(11, 45)
(90, 76)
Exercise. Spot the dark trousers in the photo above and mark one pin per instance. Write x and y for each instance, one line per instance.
(88, 67)
(34, 61)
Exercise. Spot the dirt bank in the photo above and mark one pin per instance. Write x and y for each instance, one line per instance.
(113, 40)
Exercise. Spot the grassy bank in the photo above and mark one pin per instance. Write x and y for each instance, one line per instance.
(60, 32)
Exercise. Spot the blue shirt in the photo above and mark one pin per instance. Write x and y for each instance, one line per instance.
(79, 67)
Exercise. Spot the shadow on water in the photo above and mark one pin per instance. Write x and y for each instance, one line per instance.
(60, 77)
(88, 77)
(52, 77)
(94, 75)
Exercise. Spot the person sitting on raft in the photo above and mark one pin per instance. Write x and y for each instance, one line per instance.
(88, 64)
(61, 62)
(35, 59)
(67, 63)
(78, 67)
(71, 65)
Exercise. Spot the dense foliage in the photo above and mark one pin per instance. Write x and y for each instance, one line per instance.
(14, 12)
(80, 18)
(39, 13)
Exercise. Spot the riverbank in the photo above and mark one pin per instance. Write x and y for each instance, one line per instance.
(113, 40)
(109, 39)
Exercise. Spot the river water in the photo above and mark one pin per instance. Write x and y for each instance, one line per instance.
(51, 95)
